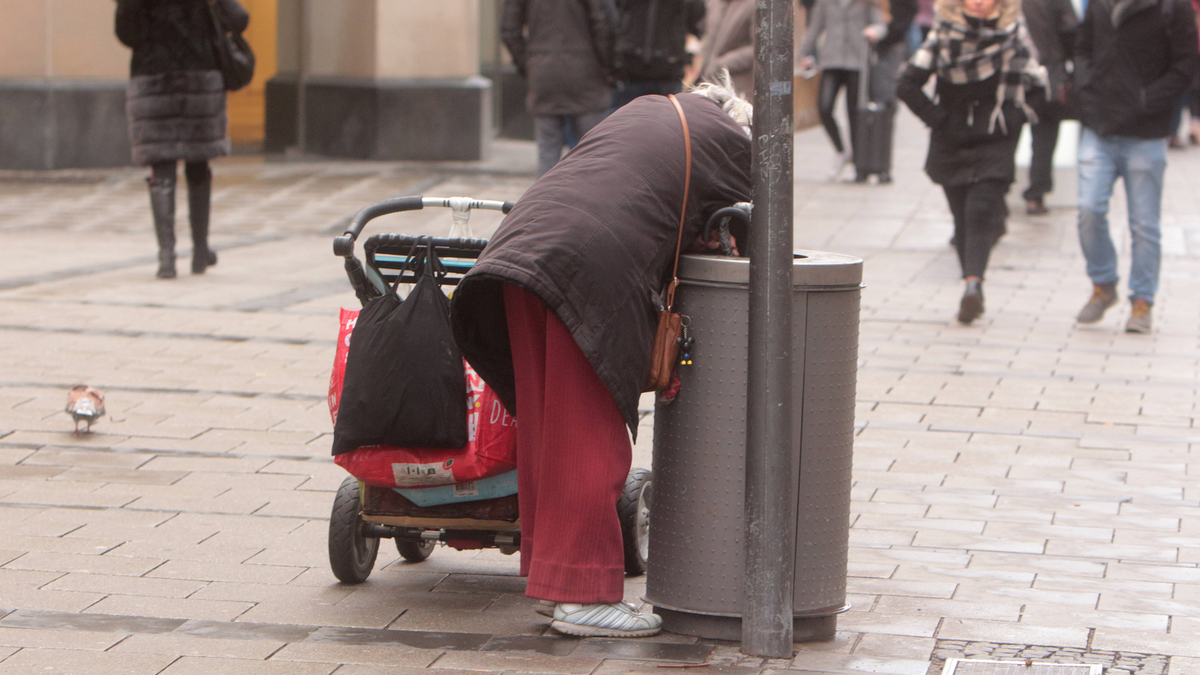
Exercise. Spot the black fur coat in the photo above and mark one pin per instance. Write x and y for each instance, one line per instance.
(176, 96)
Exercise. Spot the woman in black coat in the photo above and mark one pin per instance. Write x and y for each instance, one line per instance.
(558, 315)
(986, 71)
(176, 106)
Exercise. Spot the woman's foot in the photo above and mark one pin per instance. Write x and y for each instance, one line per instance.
(841, 160)
(202, 260)
(972, 301)
(610, 620)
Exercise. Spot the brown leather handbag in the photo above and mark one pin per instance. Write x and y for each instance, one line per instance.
(665, 352)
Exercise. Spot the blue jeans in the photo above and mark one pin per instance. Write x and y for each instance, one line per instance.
(1141, 162)
(554, 132)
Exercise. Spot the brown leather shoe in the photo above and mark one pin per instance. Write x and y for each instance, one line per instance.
(1139, 317)
(1103, 297)
(1035, 207)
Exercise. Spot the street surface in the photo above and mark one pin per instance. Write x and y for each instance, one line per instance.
(1023, 488)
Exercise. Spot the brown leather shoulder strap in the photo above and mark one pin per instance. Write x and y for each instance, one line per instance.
(687, 182)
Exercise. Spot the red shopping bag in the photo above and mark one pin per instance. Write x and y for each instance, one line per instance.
(491, 447)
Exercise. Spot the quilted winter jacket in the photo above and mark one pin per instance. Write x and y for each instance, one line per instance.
(594, 237)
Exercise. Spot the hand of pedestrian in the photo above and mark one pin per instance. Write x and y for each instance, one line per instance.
(712, 244)
(872, 34)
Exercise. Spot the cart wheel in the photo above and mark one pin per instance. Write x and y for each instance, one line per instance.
(633, 508)
(415, 551)
(351, 553)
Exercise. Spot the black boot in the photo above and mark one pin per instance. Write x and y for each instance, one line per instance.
(972, 301)
(162, 206)
(199, 206)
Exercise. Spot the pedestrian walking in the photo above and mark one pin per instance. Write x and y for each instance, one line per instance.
(563, 49)
(175, 101)
(1053, 26)
(986, 76)
(838, 41)
(651, 46)
(729, 44)
(558, 315)
(1134, 59)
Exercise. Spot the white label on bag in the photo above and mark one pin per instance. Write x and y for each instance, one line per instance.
(468, 489)
(412, 475)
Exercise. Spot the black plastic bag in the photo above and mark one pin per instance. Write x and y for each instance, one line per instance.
(405, 385)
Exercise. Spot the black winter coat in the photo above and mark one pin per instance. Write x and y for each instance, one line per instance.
(594, 236)
(961, 149)
(651, 38)
(1130, 75)
(175, 100)
(173, 35)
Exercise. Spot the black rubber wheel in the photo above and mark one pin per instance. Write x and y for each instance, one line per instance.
(351, 554)
(415, 551)
(633, 508)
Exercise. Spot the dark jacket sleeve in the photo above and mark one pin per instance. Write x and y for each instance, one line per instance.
(1163, 92)
(1067, 23)
(130, 22)
(693, 12)
(909, 89)
(234, 17)
(903, 13)
(600, 23)
(512, 32)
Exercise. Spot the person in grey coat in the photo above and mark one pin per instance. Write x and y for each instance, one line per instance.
(175, 101)
(563, 48)
(729, 44)
(1053, 26)
(838, 41)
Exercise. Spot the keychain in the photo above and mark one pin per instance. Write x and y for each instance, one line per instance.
(685, 344)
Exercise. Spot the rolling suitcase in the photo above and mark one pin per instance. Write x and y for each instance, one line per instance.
(872, 140)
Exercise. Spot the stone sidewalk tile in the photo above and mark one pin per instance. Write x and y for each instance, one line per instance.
(992, 609)
(199, 665)
(1115, 639)
(169, 608)
(124, 585)
(198, 570)
(398, 659)
(186, 645)
(1019, 633)
(517, 662)
(77, 662)
(1054, 614)
(92, 641)
(84, 564)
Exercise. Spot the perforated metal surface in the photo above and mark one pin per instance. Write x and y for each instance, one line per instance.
(697, 549)
(963, 667)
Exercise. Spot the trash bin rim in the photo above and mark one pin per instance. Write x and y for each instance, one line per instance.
(812, 271)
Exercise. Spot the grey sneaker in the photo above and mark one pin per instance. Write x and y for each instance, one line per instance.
(1103, 297)
(1139, 317)
(613, 620)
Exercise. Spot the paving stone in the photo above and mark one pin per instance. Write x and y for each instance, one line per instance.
(77, 662)
(198, 665)
(186, 645)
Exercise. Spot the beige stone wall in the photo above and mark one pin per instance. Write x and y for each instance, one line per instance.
(418, 38)
(383, 38)
(60, 40)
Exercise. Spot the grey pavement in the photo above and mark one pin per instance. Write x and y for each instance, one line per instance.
(1024, 488)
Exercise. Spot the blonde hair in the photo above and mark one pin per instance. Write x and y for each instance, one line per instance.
(730, 101)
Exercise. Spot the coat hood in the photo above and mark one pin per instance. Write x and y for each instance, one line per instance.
(951, 11)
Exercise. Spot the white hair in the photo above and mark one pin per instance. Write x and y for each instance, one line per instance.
(730, 101)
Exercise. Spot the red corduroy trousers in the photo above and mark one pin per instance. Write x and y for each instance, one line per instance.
(573, 454)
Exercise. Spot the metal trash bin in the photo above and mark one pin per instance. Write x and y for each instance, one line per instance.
(697, 549)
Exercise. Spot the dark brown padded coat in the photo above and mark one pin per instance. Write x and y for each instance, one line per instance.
(593, 238)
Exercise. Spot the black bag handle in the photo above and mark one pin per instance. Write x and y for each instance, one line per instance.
(427, 260)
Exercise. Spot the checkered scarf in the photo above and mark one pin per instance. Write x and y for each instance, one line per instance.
(974, 50)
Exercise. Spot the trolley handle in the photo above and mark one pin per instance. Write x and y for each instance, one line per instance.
(344, 244)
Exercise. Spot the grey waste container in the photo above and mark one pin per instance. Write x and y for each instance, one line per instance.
(696, 554)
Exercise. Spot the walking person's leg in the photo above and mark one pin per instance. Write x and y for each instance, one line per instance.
(1098, 170)
(162, 207)
(1044, 138)
(550, 133)
(1145, 164)
(832, 80)
(852, 118)
(199, 182)
(573, 457)
(582, 124)
(984, 212)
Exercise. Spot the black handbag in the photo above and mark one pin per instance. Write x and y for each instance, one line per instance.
(235, 59)
(405, 385)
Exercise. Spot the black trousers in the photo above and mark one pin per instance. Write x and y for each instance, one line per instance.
(196, 172)
(979, 214)
(832, 80)
(1043, 139)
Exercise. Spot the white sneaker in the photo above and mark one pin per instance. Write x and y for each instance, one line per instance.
(840, 162)
(612, 620)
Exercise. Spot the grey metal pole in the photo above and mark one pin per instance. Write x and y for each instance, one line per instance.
(770, 506)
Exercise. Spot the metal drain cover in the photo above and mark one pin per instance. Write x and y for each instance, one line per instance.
(969, 667)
